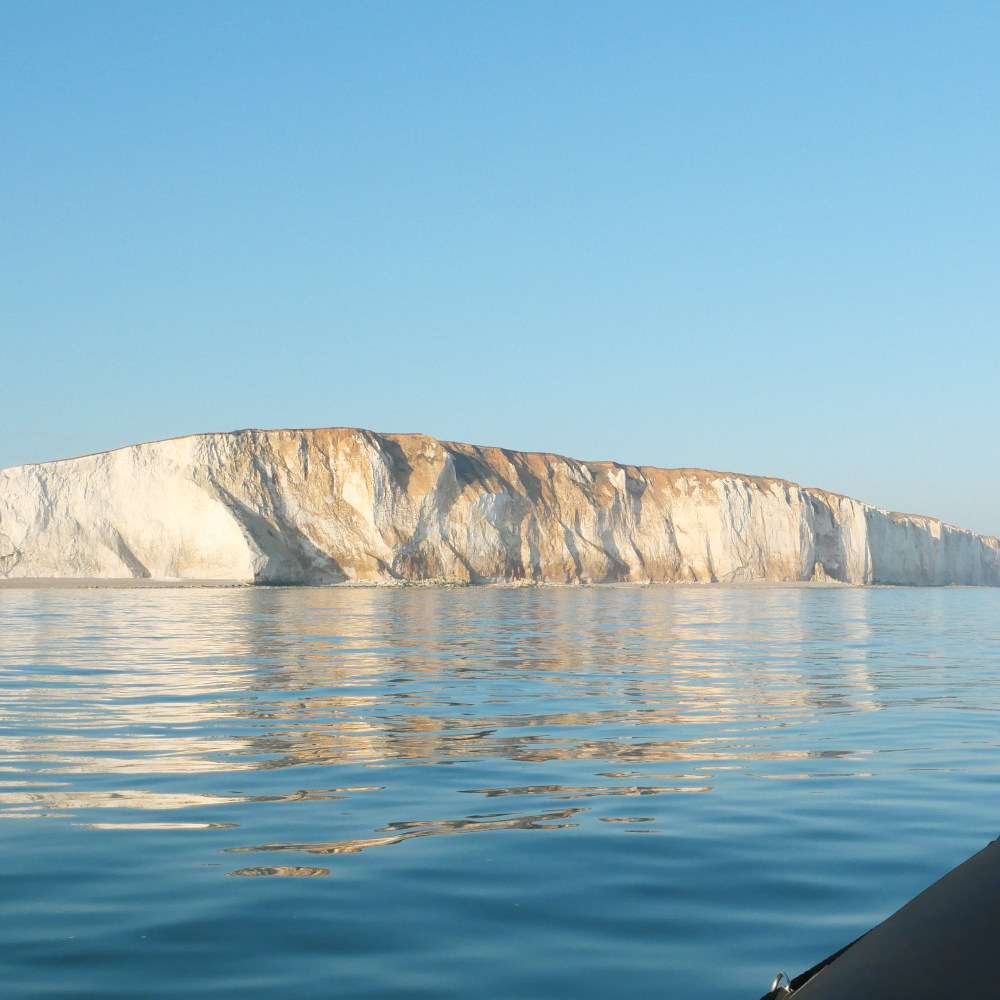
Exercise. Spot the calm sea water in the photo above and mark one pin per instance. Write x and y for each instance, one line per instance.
(490, 793)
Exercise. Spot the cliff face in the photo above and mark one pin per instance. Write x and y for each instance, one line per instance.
(325, 506)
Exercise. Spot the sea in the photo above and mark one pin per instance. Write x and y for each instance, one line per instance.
(444, 793)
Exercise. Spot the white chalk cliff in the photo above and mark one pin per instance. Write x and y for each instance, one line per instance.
(333, 505)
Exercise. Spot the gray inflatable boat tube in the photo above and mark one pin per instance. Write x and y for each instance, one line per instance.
(943, 943)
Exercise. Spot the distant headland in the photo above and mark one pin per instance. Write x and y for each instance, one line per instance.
(337, 505)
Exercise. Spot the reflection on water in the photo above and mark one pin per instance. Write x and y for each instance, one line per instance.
(41, 803)
(560, 792)
(429, 828)
(119, 682)
(159, 826)
(366, 675)
(282, 870)
(329, 722)
(205, 682)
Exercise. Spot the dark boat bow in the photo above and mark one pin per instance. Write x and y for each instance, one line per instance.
(945, 942)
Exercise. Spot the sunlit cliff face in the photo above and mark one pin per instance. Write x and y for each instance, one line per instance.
(336, 505)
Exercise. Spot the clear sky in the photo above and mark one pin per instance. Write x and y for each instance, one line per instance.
(754, 237)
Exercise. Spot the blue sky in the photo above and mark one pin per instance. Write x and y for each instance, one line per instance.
(755, 237)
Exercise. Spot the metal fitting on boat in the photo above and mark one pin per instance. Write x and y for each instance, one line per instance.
(781, 990)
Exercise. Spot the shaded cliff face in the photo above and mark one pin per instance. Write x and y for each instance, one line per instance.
(331, 505)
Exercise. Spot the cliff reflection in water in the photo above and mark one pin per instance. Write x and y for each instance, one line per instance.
(628, 676)
(163, 686)
(122, 681)
(398, 832)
